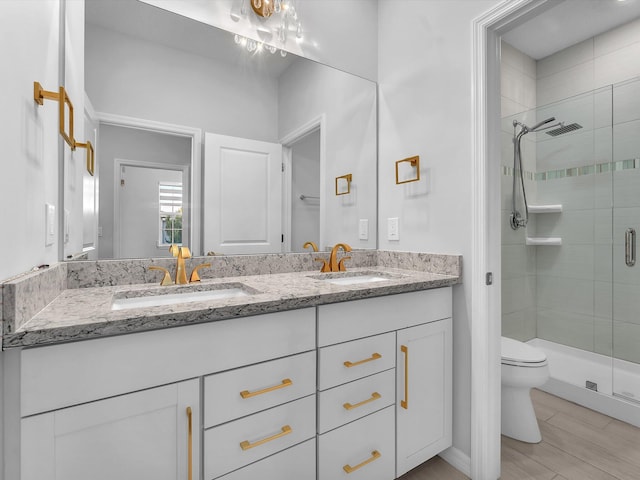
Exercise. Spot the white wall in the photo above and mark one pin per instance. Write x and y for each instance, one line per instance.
(307, 90)
(425, 108)
(133, 77)
(131, 144)
(339, 33)
(28, 133)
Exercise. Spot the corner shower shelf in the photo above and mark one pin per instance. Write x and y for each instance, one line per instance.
(545, 208)
(544, 241)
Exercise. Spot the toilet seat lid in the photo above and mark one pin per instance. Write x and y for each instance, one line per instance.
(515, 351)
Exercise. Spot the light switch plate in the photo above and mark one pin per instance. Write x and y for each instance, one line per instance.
(393, 232)
(49, 224)
(363, 229)
(66, 226)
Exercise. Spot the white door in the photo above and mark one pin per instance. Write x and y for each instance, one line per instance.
(424, 366)
(242, 196)
(142, 435)
(138, 214)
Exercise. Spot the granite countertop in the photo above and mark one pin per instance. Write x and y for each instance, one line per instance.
(86, 313)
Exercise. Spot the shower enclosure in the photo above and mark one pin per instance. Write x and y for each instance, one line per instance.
(571, 283)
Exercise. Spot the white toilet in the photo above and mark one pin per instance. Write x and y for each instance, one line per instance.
(523, 367)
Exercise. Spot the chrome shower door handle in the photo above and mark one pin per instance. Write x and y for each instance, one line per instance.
(630, 247)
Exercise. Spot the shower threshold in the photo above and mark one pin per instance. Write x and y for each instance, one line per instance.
(570, 368)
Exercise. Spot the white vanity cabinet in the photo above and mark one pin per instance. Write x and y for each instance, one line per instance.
(417, 420)
(424, 394)
(149, 434)
(116, 407)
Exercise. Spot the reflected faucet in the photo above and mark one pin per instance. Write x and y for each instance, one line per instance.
(181, 272)
(312, 245)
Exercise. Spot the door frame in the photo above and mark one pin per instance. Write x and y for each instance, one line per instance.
(118, 164)
(316, 123)
(194, 176)
(486, 230)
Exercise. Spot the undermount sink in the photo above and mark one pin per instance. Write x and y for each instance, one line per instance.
(354, 278)
(174, 295)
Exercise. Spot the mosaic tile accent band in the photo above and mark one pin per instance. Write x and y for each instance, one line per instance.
(606, 167)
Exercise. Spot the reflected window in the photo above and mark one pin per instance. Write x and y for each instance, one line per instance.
(170, 202)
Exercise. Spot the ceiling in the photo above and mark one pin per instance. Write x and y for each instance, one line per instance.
(153, 24)
(569, 22)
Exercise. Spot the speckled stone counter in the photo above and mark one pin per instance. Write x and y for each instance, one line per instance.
(83, 310)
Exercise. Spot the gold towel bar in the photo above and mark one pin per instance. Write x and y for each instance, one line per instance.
(40, 95)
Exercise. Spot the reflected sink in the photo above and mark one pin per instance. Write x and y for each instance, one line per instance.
(174, 295)
(354, 278)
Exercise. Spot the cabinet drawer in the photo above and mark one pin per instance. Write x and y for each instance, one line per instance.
(53, 377)
(295, 463)
(341, 322)
(261, 435)
(352, 360)
(248, 390)
(354, 400)
(366, 447)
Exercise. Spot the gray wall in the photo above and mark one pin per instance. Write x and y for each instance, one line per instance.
(305, 180)
(131, 144)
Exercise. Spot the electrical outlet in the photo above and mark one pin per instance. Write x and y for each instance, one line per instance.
(49, 224)
(363, 229)
(393, 231)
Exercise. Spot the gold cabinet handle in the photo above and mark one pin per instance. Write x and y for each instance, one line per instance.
(246, 445)
(373, 357)
(405, 403)
(285, 383)
(374, 396)
(190, 444)
(374, 456)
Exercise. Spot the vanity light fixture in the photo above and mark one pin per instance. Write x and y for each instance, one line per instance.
(281, 13)
(91, 156)
(40, 95)
(341, 181)
(414, 162)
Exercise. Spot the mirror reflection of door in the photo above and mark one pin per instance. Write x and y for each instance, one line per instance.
(150, 210)
(130, 212)
(242, 195)
(305, 191)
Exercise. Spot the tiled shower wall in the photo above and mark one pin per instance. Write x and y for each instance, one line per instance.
(588, 171)
(518, 83)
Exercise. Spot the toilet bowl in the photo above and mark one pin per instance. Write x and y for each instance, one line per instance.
(523, 368)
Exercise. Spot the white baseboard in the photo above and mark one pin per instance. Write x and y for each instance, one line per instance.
(457, 459)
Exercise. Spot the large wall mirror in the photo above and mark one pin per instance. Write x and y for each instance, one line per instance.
(205, 143)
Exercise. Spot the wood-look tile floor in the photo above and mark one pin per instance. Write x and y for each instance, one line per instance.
(577, 444)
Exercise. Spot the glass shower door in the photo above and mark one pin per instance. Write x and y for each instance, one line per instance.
(626, 228)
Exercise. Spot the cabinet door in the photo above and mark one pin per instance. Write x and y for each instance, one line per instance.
(147, 434)
(423, 393)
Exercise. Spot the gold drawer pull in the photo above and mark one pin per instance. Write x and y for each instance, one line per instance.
(374, 396)
(246, 445)
(285, 383)
(405, 403)
(373, 357)
(190, 444)
(374, 456)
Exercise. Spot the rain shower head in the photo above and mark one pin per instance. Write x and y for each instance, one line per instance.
(544, 122)
(564, 129)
